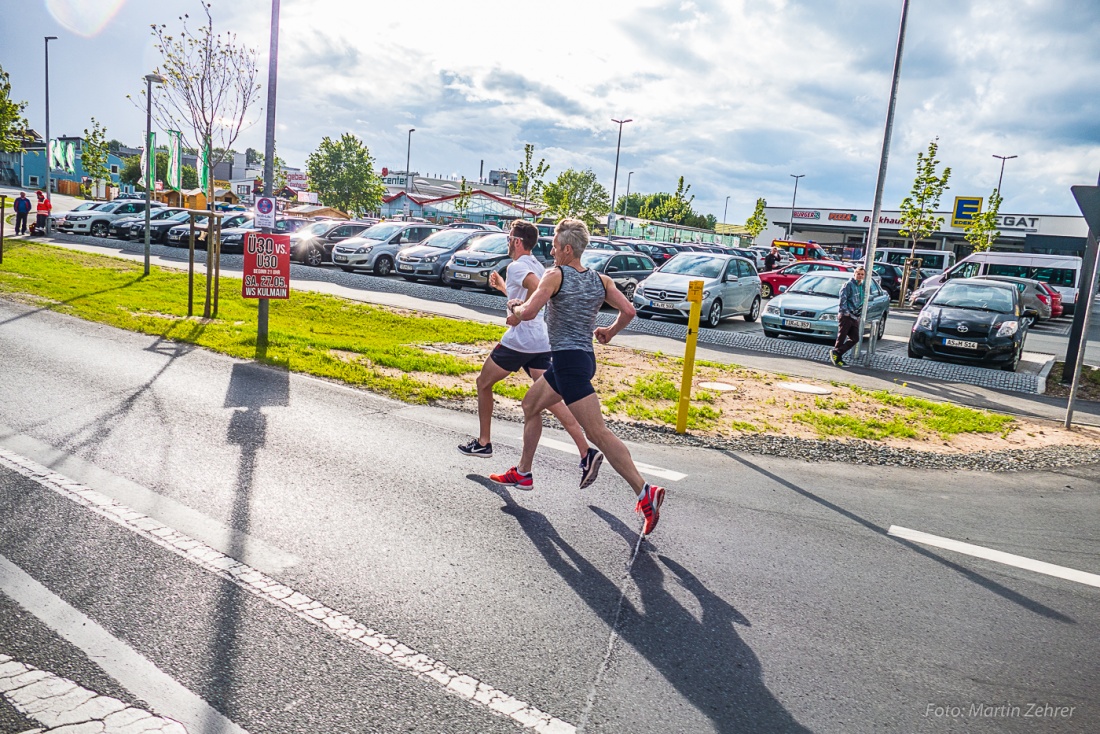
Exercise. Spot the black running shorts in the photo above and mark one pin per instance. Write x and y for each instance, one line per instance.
(513, 361)
(570, 374)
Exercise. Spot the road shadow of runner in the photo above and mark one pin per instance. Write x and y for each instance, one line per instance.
(704, 659)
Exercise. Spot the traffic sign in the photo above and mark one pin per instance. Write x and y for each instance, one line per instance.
(266, 266)
(265, 212)
(1088, 201)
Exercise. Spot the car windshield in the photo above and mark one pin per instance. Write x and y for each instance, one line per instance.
(86, 206)
(595, 259)
(447, 238)
(377, 232)
(974, 296)
(704, 266)
(317, 228)
(494, 244)
(818, 285)
(164, 214)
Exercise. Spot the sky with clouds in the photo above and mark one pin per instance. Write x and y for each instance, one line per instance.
(735, 96)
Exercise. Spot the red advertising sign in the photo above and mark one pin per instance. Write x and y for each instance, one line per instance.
(266, 266)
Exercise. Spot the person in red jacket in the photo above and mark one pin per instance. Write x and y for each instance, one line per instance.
(44, 207)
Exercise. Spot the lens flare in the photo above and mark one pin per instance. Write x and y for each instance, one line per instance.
(84, 17)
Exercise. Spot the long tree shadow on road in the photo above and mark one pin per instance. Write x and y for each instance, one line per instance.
(705, 659)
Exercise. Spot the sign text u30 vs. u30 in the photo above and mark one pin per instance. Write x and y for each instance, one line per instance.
(266, 266)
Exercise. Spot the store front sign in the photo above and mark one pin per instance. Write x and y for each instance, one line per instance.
(806, 215)
(841, 217)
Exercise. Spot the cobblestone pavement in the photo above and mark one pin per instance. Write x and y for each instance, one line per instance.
(810, 351)
(61, 706)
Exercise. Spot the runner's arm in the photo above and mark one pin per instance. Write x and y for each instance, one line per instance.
(620, 303)
(529, 309)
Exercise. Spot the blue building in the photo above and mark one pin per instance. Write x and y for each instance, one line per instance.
(26, 168)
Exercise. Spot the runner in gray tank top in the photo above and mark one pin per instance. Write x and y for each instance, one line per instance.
(573, 296)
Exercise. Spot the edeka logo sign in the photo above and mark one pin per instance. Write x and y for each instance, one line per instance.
(266, 266)
(962, 214)
(841, 217)
(807, 215)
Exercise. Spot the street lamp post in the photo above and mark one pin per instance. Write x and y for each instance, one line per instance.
(615, 178)
(790, 225)
(408, 176)
(727, 206)
(49, 162)
(1001, 177)
(628, 175)
(150, 153)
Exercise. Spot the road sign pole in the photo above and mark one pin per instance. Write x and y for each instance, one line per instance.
(269, 153)
(3, 208)
(695, 296)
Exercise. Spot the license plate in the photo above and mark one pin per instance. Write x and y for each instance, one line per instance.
(960, 343)
(462, 276)
(659, 304)
(339, 258)
(405, 268)
(797, 324)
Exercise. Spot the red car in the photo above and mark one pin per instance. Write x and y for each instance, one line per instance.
(1056, 309)
(771, 281)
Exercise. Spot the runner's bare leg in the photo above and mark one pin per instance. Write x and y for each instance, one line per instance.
(588, 414)
(540, 397)
(568, 422)
(491, 374)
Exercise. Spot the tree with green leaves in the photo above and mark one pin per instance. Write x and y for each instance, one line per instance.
(982, 230)
(93, 156)
(13, 126)
(131, 169)
(529, 181)
(670, 208)
(462, 201)
(577, 195)
(918, 210)
(630, 206)
(342, 173)
(758, 222)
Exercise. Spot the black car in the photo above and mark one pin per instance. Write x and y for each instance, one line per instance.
(656, 251)
(134, 226)
(972, 321)
(627, 269)
(889, 277)
(233, 238)
(159, 228)
(602, 243)
(313, 245)
(179, 235)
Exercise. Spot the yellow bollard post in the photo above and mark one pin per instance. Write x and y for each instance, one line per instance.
(695, 296)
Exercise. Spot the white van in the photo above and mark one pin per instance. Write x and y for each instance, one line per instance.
(1061, 272)
(936, 261)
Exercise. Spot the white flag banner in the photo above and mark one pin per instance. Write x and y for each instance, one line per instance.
(144, 177)
(175, 170)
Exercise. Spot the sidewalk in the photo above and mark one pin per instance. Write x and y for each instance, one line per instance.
(1017, 403)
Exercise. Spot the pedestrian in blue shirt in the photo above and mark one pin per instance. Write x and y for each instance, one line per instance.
(22, 209)
(847, 323)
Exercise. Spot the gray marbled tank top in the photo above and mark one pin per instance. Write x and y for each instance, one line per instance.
(571, 312)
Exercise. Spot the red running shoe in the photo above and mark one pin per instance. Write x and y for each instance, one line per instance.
(650, 506)
(513, 478)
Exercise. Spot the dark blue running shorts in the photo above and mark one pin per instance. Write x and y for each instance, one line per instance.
(570, 374)
(513, 361)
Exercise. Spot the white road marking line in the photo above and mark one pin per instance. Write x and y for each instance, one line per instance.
(669, 474)
(1028, 564)
(330, 620)
(120, 661)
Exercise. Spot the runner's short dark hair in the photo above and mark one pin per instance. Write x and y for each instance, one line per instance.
(527, 233)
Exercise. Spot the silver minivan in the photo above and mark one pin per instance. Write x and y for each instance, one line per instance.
(731, 286)
(376, 248)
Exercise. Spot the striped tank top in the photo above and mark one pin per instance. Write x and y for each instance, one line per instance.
(571, 312)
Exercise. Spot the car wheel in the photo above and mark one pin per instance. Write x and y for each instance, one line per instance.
(628, 291)
(881, 330)
(714, 315)
(1015, 363)
(314, 256)
(383, 266)
(99, 229)
(754, 311)
(765, 290)
(912, 354)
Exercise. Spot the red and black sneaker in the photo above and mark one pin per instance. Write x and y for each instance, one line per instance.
(514, 478)
(649, 504)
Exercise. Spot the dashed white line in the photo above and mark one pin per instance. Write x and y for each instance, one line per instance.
(656, 471)
(305, 608)
(1008, 559)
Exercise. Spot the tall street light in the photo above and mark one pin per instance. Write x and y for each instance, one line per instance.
(49, 162)
(1001, 177)
(726, 208)
(628, 175)
(408, 175)
(790, 226)
(615, 178)
(150, 153)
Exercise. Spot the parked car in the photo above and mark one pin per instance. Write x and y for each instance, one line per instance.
(475, 225)
(627, 269)
(602, 243)
(889, 277)
(772, 281)
(179, 235)
(472, 265)
(124, 227)
(427, 260)
(233, 237)
(97, 221)
(748, 253)
(972, 320)
(313, 245)
(375, 248)
(935, 261)
(129, 195)
(1061, 272)
(1056, 309)
(657, 252)
(57, 219)
(1032, 295)
(731, 286)
(809, 307)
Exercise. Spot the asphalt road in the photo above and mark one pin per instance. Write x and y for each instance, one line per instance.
(771, 597)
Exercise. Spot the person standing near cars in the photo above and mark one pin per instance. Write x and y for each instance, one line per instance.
(573, 295)
(22, 209)
(771, 258)
(43, 211)
(524, 346)
(847, 322)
